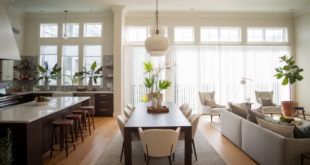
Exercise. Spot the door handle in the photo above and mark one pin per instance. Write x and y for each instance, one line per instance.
(103, 95)
(103, 102)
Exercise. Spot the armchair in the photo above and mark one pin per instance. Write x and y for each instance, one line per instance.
(206, 110)
(275, 109)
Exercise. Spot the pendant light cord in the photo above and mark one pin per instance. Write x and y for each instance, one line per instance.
(157, 31)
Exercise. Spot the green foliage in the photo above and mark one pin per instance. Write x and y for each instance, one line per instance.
(6, 147)
(45, 72)
(144, 99)
(91, 74)
(164, 84)
(149, 83)
(148, 67)
(74, 79)
(282, 118)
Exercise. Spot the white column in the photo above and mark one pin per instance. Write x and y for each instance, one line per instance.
(119, 59)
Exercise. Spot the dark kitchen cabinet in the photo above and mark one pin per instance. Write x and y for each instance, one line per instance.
(104, 105)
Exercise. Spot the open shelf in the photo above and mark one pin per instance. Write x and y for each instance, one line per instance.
(110, 67)
(23, 78)
(109, 78)
(25, 67)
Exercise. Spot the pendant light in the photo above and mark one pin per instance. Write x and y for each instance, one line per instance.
(157, 44)
(66, 27)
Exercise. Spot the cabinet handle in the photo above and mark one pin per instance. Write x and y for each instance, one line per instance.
(103, 95)
(103, 109)
(103, 102)
(7, 76)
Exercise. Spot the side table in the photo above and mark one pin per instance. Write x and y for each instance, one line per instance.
(302, 157)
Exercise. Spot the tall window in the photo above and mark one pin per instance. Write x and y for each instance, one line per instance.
(49, 31)
(92, 53)
(70, 62)
(220, 34)
(48, 53)
(72, 30)
(267, 35)
(184, 34)
(92, 29)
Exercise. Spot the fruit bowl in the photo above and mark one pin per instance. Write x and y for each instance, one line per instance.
(41, 103)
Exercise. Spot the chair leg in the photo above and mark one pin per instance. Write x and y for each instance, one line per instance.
(281, 114)
(92, 118)
(173, 156)
(122, 151)
(73, 143)
(53, 139)
(303, 113)
(194, 148)
(211, 118)
(148, 160)
(302, 159)
(220, 117)
(66, 139)
(145, 157)
(169, 157)
(271, 114)
(79, 123)
(89, 122)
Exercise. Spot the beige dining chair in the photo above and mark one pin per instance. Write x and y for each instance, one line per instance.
(183, 106)
(131, 107)
(122, 120)
(194, 120)
(159, 142)
(187, 112)
(127, 112)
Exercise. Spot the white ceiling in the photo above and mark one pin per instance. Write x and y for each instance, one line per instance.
(58, 6)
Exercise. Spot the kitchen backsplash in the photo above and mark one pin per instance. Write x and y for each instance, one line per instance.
(31, 72)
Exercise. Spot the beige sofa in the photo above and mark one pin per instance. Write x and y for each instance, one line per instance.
(262, 145)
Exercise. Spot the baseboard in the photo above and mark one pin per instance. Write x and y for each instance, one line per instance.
(115, 114)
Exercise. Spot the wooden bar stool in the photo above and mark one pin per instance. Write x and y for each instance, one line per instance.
(77, 125)
(83, 113)
(63, 125)
(90, 114)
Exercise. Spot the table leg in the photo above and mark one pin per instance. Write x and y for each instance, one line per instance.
(188, 146)
(127, 141)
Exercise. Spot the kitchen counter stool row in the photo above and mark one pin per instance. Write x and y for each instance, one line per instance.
(79, 126)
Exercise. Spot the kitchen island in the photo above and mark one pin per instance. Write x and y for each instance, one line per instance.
(31, 126)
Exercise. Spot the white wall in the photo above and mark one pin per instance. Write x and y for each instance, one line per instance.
(302, 42)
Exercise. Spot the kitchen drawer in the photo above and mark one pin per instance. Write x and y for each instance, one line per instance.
(104, 103)
(104, 96)
(106, 112)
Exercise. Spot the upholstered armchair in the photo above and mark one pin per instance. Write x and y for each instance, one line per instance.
(274, 109)
(206, 110)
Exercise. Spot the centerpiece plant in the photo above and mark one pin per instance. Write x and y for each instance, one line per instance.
(47, 74)
(153, 83)
(290, 74)
(92, 74)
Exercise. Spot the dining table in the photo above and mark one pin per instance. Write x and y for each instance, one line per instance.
(169, 120)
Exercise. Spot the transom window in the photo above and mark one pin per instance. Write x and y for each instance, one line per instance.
(184, 34)
(72, 30)
(70, 62)
(92, 53)
(92, 29)
(137, 34)
(49, 30)
(210, 34)
(267, 35)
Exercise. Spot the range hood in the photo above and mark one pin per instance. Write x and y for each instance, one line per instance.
(8, 46)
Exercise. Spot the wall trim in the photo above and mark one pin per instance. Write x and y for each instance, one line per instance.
(70, 15)
(301, 12)
(16, 11)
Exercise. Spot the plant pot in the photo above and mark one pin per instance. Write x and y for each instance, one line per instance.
(46, 84)
(149, 96)
(90, 84)
(287, 107)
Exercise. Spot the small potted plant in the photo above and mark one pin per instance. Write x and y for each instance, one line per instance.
(92, 74)
(47, 74)
(291, 73)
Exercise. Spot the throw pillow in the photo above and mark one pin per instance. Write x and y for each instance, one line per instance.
(266, 102)
(239, 111)
(284, 130)
(303, 132)
(211, 103)
(253, 113)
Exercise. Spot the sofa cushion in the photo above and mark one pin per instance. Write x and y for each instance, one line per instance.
(211, 103)
(252, 113)
(266, 102)
(273, 109)
(241, 105)
(216, 110)
(281, 129)
(239, 111)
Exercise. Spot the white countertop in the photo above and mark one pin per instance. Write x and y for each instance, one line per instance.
(74, 92)
(28, 112)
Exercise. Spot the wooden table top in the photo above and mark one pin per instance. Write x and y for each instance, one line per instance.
(140, 117)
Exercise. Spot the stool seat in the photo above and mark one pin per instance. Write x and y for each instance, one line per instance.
(73, 116)
(87, 107)
(63, 122)
(80, 111)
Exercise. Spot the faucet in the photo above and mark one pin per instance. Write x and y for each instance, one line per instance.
(67, 87)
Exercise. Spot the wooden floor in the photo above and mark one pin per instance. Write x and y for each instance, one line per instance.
(88, 152)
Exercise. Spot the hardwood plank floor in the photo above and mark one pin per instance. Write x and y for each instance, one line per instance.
(87, 153)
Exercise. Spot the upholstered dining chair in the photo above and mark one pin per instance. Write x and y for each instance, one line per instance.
(269, 109)
(122, 120)
(187, 112)
(131, 107)
(159, 142)
(183, 106)
(207, 110)
(127, 112)
(194, 120)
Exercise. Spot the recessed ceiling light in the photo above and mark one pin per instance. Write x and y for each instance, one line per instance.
(291, 9)
(90, 10)
(272, 9)
(192, 8)
(42, 11)
(25, 5)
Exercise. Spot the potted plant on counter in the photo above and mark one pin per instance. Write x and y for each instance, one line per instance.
(291, 73)
(92, 74)
(48, 74)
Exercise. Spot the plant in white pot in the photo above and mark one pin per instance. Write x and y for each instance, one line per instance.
(48, 74)
(92, 74)
(291, 74)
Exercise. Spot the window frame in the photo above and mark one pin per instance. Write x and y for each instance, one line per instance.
(41, 82)
(84, 62)
(219, 34)
(137, 27)
(92, 23)
(63, 29)
(285, 34)
(193, 34)
(48, 24)
(62, 61)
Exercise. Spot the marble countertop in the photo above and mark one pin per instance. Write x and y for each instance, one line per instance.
(74, 92)
(28, 112)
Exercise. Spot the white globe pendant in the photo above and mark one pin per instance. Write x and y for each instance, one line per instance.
(157, 45)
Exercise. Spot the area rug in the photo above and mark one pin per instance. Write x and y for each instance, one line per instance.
(205, 153)
(216, 125)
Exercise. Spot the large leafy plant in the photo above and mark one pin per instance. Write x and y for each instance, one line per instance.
(290, 72)
(45, 72)
(92, 73)
(74, 79)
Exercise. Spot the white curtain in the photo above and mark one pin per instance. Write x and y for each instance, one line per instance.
(210, 68)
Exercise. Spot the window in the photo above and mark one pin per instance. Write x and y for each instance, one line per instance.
(49, 31)
(220, 34)
(137, 34)
(267, 35)
(184, 34)
(92, 53)
(92, 29)
(48, 53)
(72, 30)
(70, 62)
